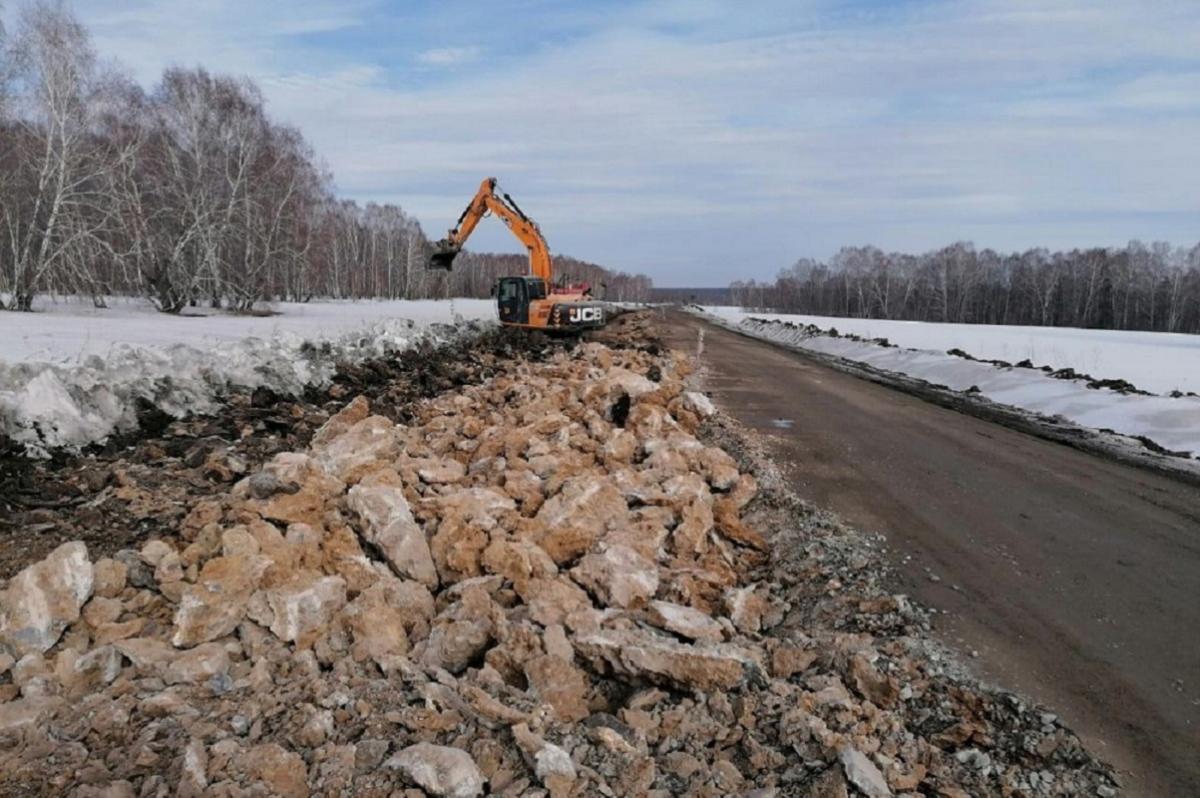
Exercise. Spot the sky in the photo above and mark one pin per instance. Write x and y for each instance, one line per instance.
(701, 142)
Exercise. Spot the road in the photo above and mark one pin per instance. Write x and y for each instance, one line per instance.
(1076, 579)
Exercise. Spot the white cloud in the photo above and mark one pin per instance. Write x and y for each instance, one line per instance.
(447, 56)
(1160, 92)
(669, 137)
(254, 37)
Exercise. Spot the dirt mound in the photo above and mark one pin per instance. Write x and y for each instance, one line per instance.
(142, 484)
(510, 592)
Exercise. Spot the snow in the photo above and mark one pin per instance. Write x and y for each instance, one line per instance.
(1148, 360)
(70, 331)
(71, 374)
(1153, 361)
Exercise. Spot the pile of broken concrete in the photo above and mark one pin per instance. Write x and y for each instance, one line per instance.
(545, 585)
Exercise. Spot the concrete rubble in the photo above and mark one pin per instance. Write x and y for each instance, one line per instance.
(551, 583)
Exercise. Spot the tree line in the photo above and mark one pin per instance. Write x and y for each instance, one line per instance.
(190, 193)
(479, 272)
(1138, 287)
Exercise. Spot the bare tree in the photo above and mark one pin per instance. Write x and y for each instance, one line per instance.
(190, 193)
(1136, 287)
(48, 185)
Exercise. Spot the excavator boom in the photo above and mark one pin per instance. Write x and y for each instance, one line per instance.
(487, 200)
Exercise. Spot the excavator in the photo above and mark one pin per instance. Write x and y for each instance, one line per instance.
(534, 300)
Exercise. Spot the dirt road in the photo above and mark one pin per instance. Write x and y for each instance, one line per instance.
(1077, 580)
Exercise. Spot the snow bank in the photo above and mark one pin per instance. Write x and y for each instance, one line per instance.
(1155, 362)
(70, 331)
(73, 375)
(1173, 423)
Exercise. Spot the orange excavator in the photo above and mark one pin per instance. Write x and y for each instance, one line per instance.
(531, 300)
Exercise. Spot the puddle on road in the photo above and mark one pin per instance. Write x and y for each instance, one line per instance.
(782, 423)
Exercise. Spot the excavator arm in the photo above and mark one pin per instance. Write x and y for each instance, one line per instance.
(485, 201)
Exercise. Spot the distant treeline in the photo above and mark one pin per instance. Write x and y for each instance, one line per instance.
(189, 193)
(700, 296)
(478, 272)
(1137, 287)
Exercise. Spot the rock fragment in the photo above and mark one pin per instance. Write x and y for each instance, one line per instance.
(577, 516)
(871, 684)
(193, 778)
(282, 772)
(442, 472)
(439, 770)
(684, 621)
(197, 665)
(746, 608)
(654, 659)
(554, 600)
(551, 764)
(862, 773)
(461, 633)
(216, 603)
(27, 711)
(358, 450)
(518, 561)
(699, 404)
(617, 576)
(560, 684)
(391, 528)
(305, 605)
(43, 599)
(379, 625)
(108, 577)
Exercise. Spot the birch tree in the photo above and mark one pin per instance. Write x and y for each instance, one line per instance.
(190, 194)
(1137, 287)
(47, 186)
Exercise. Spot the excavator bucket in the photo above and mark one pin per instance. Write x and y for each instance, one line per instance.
(442, 256)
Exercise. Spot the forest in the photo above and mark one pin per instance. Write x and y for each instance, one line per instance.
(1137, 287)
(191, 194)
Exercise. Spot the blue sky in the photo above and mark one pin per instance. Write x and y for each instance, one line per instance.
(706, 141)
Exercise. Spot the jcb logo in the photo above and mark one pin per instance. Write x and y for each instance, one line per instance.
(581, 315)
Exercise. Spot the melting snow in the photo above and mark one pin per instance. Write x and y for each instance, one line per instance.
(71, 375)
(1151, 361)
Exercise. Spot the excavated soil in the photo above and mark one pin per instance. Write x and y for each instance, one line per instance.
(545, 572)
(141, 484)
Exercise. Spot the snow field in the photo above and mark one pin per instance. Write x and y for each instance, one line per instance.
(1173, 423)
(1155, 362)
(72, 375)
(71, 330)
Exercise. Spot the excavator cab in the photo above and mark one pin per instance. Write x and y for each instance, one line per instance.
(513, 295)
(527, 302)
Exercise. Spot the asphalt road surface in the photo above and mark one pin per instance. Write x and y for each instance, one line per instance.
(1074, 578)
